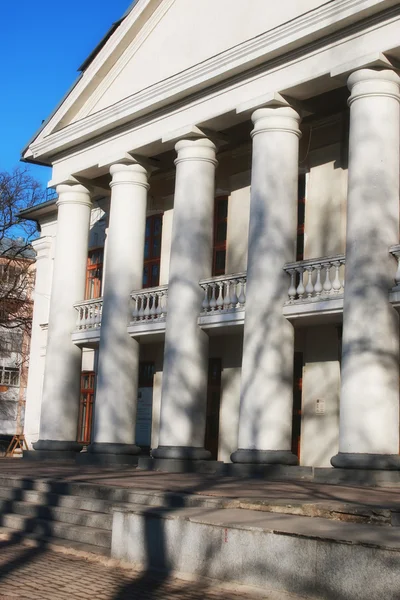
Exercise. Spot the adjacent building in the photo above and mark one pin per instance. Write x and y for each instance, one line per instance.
(217, 276)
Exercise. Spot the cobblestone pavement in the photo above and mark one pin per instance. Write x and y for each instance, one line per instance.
(34, 573)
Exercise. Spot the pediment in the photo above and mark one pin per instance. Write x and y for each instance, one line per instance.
(162, 39)
(184, 34)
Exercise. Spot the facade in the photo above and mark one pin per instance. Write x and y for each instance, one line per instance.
(217, 277)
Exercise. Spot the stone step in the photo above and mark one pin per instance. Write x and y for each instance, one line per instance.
(73, 516)
(309, 556)
(48, 499)
(55, 529)
(37, 540)
(109, 494)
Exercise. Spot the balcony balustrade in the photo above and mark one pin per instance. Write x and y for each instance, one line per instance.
(316, 279)
(149, 311)
(88, 323)
(89, 314)
(224, 294)
(224, 300)
(150, 304)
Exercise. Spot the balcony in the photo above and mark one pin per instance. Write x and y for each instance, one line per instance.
(149, 312)
(88, 323)
(316, 288)
(315, 294)
(224, 301)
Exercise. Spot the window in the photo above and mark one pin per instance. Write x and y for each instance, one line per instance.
(12, 342)
(86, 407)
(9, 376)
(301, 213)
(94, 273)
(220, 229)
(152, 251)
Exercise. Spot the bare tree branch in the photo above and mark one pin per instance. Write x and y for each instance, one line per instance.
(18, 191)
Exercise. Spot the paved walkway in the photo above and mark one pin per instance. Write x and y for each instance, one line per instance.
(34, 573)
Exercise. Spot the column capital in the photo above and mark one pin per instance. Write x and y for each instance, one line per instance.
(42, 246)
(281, 118)
(372, 83)
(201, 149)
(133, 173)
(73, 194)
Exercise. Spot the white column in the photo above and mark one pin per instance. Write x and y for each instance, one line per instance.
(117, 380)
(60, 403)
(266, 404)
(369, 404)
(41, 297)
(184, 384)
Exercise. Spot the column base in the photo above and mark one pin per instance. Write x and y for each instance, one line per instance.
(355, 460)
(264, 457)
(53, 450)
(181, 453)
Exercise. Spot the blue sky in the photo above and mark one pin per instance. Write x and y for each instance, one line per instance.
(42, 44)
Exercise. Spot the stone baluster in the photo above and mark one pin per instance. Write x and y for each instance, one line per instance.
(213, 301)
(206, 302)
(300, 288)
(227, 297)
(310, 285)
(242, 294)
(397, 276)
(141, 307)
(220, 298)
(327, 287)
(318, 285)
(336, 285)
(233, 294)
(135, 310)
(146, 300)
(292, 291)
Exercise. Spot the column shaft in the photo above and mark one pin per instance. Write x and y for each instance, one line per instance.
(41, 295)
(369, 404)
(267, 369)
(117, 382)
(61, 387)
(184, 386)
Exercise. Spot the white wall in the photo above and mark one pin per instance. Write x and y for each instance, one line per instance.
(326, 194)
(229, 349)
(321, 381)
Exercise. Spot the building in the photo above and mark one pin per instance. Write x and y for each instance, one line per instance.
(17, 269)
(217, 278)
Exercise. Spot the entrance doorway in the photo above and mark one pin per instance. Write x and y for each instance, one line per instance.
(213, 406)
(297, 393)
(144, 412)
(86, 407)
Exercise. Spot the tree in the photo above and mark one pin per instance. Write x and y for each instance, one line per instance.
(18, 191)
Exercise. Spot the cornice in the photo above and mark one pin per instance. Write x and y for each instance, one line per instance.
(251, 53)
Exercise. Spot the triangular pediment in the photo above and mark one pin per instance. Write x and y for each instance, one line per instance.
(185, 33)
(162, 41)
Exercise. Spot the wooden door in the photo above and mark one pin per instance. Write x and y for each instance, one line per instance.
(213, 406)
(297, 394)
(86, 407)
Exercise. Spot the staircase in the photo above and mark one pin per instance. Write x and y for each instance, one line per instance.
(76, 515)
